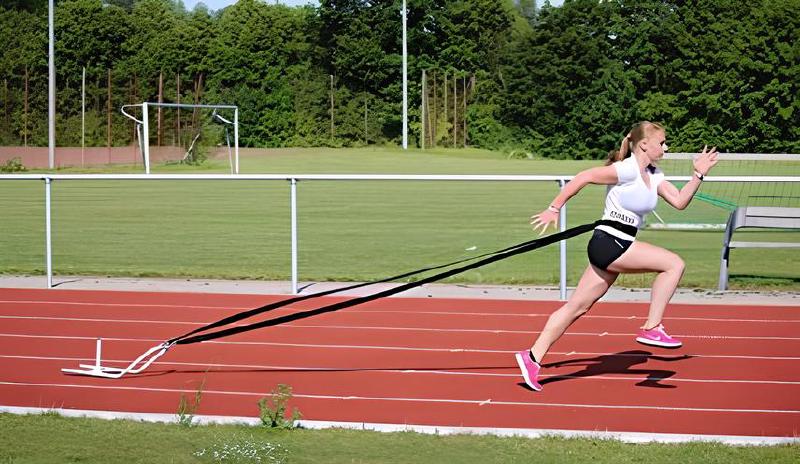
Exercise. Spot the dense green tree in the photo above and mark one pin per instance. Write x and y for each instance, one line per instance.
(126, 4)
(253, 56)
(152, 44)
(738, 75)
(24, 38)
(563, 84)
(26, 5)
(89, 35)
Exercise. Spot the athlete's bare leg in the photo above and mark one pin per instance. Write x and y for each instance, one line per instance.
(644, 257)
(594, 283)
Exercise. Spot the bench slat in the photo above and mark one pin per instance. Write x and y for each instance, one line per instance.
(772, 211)
(766, 217)
(763, 245)
(770, 222)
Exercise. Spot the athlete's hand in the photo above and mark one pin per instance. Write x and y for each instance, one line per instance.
(706, 160)
(543, 220)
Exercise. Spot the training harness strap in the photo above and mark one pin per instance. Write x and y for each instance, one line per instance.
(195, 336)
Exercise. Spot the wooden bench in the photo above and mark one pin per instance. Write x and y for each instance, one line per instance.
(756, 216)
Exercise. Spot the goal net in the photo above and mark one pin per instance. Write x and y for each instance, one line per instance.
(185, 133)
(714, 201)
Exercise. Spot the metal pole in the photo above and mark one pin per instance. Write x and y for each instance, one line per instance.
(422, 108)
(83, 115)
(293, 208)
(405, 82)
(562, 226)
(51, 100)
(236, 137)
(146, 138)
(48, 235)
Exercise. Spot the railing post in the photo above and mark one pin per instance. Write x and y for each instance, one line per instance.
(48, 235)
(236, 138)
(293, 208)
(146, 138)
(562, 226)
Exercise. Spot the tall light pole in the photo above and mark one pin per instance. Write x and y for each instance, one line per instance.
(51, 100)
(405, 82)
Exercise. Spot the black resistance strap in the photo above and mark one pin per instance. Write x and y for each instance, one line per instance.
(196, 336)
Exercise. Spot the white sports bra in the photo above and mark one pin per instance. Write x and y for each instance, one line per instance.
(630, 199)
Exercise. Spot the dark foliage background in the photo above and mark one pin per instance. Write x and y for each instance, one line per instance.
(561, 82)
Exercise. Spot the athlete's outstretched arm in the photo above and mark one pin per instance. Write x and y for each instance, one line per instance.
(605, 175)
(680, 199)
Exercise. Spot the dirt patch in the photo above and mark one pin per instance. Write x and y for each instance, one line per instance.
(38, 157)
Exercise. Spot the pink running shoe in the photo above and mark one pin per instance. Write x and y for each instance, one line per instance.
(657, 336)
(530, 369)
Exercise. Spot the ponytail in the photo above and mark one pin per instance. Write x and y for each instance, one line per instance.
(637, 134)
(622, 153)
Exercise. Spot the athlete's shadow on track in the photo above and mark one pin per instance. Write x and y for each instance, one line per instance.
(618, 363)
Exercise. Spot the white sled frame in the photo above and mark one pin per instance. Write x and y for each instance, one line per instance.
(138, 365)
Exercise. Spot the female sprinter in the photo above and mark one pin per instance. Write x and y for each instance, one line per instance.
(633, 185)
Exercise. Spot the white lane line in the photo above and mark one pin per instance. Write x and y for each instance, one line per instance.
(410, 400)
(586, 316)
(388, 328)
(370, 311)
(104, 321)
(122, 305)
(376, 347)
(467, 373)
(524, 332)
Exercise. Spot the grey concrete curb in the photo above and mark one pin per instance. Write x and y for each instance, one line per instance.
(498, 292)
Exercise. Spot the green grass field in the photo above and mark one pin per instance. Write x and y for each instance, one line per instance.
(348, 231)
(49, 439)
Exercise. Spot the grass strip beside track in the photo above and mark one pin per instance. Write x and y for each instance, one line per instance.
(51, 438)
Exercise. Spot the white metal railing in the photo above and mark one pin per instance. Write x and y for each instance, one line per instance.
(739, 156)
(293, 179)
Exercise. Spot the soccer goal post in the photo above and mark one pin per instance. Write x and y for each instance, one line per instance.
(143, 127)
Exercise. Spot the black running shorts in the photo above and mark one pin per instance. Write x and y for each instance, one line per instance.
(605, 248)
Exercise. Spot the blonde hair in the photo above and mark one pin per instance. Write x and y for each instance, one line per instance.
(638, 132)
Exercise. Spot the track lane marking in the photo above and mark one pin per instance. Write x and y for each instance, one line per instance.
(380, 311)
(120, 362)
(374, 347)
(407, 399)
(363, 328)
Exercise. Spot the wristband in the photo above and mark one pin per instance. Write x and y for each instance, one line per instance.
(699, 176)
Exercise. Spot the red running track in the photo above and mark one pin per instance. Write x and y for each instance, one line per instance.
(425, 362)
